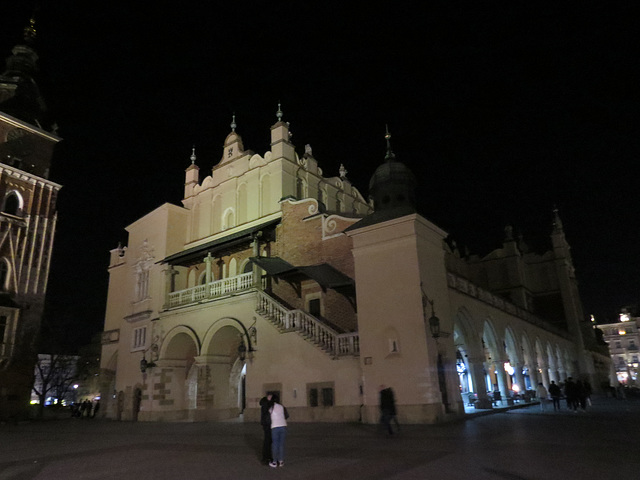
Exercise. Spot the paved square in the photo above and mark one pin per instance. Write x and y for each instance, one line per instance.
(516, 444)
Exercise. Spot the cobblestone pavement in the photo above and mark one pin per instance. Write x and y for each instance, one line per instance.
(517, 444)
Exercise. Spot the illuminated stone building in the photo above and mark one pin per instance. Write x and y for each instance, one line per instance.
(623, 339)
(27, 223)
(272, 276)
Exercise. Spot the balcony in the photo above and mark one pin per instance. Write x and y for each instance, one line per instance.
(210, 291)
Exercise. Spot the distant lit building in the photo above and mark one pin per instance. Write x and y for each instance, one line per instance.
(27, 223)
(274, 277)
(623, 338)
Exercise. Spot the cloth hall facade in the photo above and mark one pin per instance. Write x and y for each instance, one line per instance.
(274, 277)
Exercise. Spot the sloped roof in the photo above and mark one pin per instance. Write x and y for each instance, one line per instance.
(199, 251)
(324, 274)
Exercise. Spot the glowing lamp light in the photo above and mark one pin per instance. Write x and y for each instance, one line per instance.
(624, 317)
(515, 388)
(508, 368)
(622, 332)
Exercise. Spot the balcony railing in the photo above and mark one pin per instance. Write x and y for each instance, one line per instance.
(336, 344)
(210, 291)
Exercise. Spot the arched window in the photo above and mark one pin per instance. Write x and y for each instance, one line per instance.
(233, 267)
(12, 203)
(195, 219)
(300, 189)
(322, 197)
(229, 219)
(265, 203)
(216, 215)
(242, 204)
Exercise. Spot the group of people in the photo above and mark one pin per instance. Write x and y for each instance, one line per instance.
(85, 409)
(577, 394)
(273, 418)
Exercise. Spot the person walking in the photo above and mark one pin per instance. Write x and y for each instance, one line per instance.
(265, 421)
(96, 409)
(542, 394)
(554, 391)
(387, 409)
(279, 417)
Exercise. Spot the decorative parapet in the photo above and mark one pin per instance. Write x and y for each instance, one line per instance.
(465, 286)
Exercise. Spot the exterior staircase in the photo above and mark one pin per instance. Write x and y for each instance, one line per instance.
(310, 328)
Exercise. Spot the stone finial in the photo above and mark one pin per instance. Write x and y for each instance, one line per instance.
(343, 172)
(557, 223)
(307, 151)
(508, 233)
(279, 113)
(233, 123)
(193, 155)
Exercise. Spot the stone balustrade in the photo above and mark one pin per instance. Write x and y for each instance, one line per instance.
(465, 286)
(210, 291)
(311, 328)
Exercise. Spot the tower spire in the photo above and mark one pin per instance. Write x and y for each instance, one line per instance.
(390, 156)
(29, 32)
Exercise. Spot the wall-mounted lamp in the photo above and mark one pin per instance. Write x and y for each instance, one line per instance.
(434, 324)
(250, 334)
(144, 364)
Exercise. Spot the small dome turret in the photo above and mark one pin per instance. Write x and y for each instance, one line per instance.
(392, 185)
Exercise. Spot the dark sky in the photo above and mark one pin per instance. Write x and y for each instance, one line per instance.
(502, 111)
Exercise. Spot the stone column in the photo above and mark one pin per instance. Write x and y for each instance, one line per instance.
(476, 370)
(533, 375)
(545, 376)
(502, 380)
(553, 375)
(562, 374)
(207, 266)
(520, 377)
(169, 283)
(256, 253)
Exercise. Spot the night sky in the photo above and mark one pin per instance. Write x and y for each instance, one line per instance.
(502, 111)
